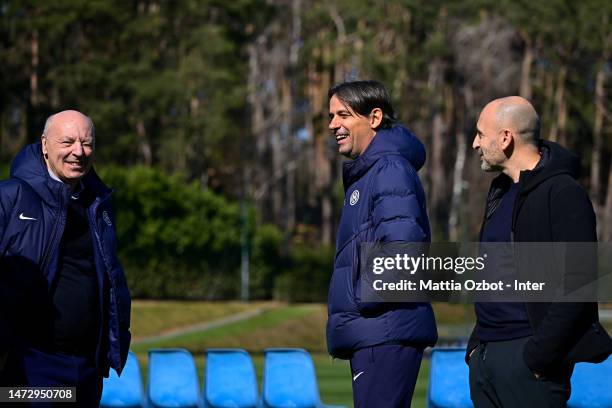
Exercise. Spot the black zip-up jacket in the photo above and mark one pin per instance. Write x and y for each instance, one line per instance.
(551, 206)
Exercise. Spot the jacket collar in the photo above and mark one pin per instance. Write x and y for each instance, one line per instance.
(395, 141)
(29, 166)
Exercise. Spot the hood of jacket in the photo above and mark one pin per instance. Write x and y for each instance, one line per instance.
(396, 140)
(555, 160)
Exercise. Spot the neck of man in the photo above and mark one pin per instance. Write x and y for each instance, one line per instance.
(367, 144)
(54, 176)
(523, 158)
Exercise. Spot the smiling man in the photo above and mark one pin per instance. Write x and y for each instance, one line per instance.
(68, 146)
(65, 306)
(384, 203)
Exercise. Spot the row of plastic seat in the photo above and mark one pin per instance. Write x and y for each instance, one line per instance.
(449, 385)
(289, 380)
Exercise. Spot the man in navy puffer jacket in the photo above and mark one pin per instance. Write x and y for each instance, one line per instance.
(384, 202)
(64, 302)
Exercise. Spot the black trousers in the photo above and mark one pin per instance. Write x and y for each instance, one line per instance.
(35, 368)
(385, 376)
(500, 378)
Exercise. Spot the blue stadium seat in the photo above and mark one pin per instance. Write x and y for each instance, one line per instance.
(592, 385)
(125, 391)
(173, 379)
(449, 384)
(229, 379)
(289, 380)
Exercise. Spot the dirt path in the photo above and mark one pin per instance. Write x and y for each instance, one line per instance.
(200, 326)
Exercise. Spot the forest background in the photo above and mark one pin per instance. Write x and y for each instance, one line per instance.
(211, 117)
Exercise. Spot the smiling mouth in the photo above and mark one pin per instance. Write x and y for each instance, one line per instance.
(341, 136)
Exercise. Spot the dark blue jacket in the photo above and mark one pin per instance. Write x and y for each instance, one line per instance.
(29, 252)
(384, 202)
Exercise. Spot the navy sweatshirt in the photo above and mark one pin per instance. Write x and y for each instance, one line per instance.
(498, 321)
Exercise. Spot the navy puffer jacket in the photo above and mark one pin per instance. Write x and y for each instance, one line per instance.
(33, 210)
(384, 202)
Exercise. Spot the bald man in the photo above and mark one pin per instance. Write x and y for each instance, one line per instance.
(523, 354)
(65, 306)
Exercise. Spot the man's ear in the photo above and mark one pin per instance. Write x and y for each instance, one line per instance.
(43, 142)
(507, 138)
(376, 117)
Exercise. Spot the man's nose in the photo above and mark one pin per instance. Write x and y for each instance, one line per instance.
(332, 124)
(475, 144)
(78, 149)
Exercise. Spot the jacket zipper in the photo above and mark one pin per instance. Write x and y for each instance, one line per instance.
(54, 234)
(515, 209)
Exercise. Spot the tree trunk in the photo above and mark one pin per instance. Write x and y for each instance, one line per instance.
(437, 169)
(436, 164)
(557, 131)
(548, 104)
(526, 85)
(31, 131)
(595, 185)
(34, 96)
(288, 103)
(455, 210)
(277, 169)
(340, 63)
(257, 125)
(312, 86)
(323, 161)
(456, 222)
(327, 224)
(143, 144)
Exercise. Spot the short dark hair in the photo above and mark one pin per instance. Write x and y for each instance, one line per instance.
(364, 96)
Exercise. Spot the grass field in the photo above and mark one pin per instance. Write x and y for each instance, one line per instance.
(278, 326)
(154, 317)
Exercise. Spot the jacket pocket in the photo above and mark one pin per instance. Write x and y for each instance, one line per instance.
(341, 297)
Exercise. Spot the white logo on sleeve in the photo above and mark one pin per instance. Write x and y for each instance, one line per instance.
(106, 218)
(23, 217)
(354, 197)
(357, 375)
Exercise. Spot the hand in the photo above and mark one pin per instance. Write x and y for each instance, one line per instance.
(469, 357)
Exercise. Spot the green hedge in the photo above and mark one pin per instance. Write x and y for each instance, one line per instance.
(179, 241)
(306, 278)
(176, 240)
